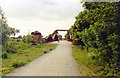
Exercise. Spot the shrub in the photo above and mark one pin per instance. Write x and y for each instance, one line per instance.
(28, 39)
(12, 47)
(11, 50)
(99, 28)
(51, 49)
(38, 45)
(43, 40)
(75, 42)
(17, 64)
(45, 51)
(78, 42)
(28, 60)
(40, 41)
(4, 54)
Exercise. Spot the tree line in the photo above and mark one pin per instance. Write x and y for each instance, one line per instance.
(98, 27)
(5, 30)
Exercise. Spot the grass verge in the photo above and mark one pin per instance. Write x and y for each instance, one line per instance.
(83, 59)
(23, 57)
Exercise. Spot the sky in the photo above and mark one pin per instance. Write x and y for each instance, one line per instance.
(44, 16)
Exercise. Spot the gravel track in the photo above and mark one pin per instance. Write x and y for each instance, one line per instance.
(58, 62)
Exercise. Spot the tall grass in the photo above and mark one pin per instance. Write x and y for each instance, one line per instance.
(24, 53)
(84, 60)
(80, 55)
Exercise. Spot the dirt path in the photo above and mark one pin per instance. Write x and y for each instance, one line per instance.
(59, 62)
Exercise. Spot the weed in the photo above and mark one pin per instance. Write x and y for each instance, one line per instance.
(82, 57)
(50, 49)
(24, 55)
(17, 64)
(28, 60)
(4, 54)
(45, 51)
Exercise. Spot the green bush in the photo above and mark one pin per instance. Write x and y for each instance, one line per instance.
(28, 39)
(38, 45)
(41, 41)
(17, 64)
(45, 51)
(51, 49)
(4, 54)
(11, 47)
(11, 50)
(98, 27)
(23, 45)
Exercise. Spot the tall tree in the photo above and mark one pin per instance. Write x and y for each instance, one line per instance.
(5, 30)
(98, 26)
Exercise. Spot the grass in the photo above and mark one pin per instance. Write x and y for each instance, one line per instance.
(22, 57)
(83, 59)
(80, 55)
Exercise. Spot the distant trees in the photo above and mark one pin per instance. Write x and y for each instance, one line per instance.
(60, 36)
(35, 37)
(67, 35)
(53, 34)
(35, 32)
(98, 27)
(28, 39)
(5, 30)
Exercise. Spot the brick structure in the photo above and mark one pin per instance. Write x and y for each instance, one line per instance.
(37, 37)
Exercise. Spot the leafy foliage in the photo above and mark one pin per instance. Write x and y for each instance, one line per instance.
(60, 36)
(98, 28)
(28, 39)
(17, 64)
(67, 35)
(23, 54)
(53, 34)
(35, 32)
(4, 55)
(5, 30)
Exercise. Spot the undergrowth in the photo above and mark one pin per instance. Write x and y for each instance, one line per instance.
(18, 54)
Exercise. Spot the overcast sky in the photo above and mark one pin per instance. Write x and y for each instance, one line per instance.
(43, 15)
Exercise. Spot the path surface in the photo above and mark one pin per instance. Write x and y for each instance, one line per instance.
(59, 62)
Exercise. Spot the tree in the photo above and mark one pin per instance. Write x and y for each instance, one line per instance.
(98, 26)
(5, 30)
(35, 32)
(60, 36)
(67, 35)
(28, 39)
(32, 33)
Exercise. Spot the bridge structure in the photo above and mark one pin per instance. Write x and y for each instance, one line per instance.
(56, 33)
(56, 38)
